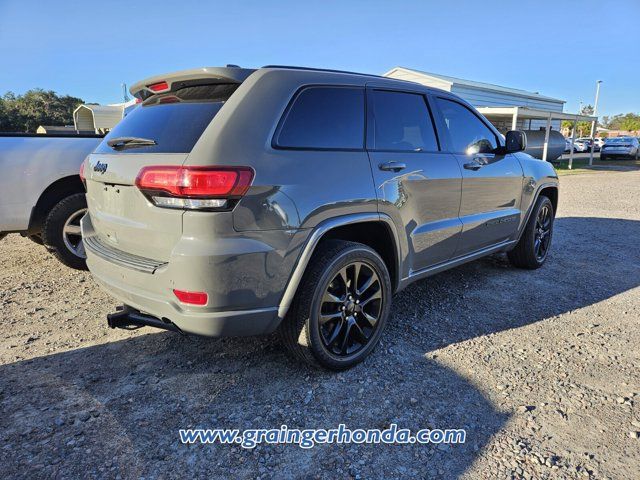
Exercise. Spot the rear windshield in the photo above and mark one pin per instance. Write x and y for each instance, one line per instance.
(174, 121)
(619, 140)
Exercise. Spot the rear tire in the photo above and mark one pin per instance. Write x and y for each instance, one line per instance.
(532, 250)
(341, 306)
(61, 231)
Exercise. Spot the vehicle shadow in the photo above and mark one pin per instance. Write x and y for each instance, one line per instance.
(115, 409)
(591, 260)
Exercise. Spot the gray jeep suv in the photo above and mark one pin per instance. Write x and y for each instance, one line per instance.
(238, 202)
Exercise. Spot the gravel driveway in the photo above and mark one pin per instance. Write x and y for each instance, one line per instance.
(541, 368)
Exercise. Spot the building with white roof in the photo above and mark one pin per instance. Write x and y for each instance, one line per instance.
(507, 108)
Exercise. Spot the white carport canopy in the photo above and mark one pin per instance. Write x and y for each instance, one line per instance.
(526, 113)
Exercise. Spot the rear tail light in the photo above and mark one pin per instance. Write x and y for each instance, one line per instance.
(81, 173)
(191, 298)
(200, 188)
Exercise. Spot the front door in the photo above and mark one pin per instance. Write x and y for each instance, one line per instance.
(418, 184)
(491, 183)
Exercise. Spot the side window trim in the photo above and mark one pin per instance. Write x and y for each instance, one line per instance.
(441, 125)
(287, 110)
(371, 121)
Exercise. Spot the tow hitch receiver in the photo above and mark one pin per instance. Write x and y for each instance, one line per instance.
(129, 318)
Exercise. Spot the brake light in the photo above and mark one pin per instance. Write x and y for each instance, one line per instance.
(81, 173)
(191, 298)
(194, 187)
(158, 87)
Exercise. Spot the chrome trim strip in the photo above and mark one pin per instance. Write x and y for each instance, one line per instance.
(427, 272)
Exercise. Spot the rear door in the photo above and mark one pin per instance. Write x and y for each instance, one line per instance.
(491, 182)
(418, 185)
(165, 128)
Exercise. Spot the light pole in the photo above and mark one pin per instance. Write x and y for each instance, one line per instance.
(593, 124)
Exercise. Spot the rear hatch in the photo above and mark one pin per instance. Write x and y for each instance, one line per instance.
(160, 131)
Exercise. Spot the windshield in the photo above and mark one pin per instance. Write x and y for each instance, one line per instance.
(168, 123)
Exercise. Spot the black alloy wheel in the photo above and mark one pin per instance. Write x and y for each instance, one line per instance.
(542, 238)
(350, 309)
(341, 306)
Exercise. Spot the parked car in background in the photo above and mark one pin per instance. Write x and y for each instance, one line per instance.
(41, 193)
(620, 147)
(586, 141)
(207, 213)
(578, 147)
(599, 143)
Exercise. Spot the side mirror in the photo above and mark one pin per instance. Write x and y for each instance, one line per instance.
(516, 141)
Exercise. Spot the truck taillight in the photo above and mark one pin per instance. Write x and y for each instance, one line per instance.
(81, 173)
(200, 188)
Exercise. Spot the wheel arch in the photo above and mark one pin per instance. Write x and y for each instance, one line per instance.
(372, 229)
(549, 190)
(51, 195)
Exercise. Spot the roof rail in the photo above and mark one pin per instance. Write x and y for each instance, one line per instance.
(328, 70)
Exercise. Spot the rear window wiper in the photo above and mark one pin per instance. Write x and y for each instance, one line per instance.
(130, 142)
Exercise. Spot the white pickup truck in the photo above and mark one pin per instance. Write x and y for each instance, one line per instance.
(41, 193)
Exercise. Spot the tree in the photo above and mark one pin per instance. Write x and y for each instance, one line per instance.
(582, 128)
(24, 113)
(586, 110)
(628, 121)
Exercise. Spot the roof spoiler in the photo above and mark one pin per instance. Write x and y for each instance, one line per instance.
(163, 83)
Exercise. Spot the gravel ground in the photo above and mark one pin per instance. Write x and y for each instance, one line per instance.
(540, 367)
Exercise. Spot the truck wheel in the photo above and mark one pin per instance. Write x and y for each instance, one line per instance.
(532, 249)
(61, 231)
(341, 306)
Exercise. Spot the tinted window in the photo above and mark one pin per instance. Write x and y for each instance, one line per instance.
(174, 120)
(325, 117)
(402, 122)
(467, 132)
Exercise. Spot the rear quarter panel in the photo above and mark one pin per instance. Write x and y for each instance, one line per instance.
(292, 189)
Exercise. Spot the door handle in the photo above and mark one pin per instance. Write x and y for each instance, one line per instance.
(473, 166)
(478, 162)
(392, 166)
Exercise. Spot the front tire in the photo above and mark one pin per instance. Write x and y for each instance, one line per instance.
(341, 306)
(61, 231)
(533, 248)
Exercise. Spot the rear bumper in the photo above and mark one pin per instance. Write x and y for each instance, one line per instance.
(208, 323)
(243, 282)
(629, 154)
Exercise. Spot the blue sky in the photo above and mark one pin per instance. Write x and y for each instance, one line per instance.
(559, 48)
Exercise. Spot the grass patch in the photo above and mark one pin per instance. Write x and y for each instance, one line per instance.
(581, 165)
